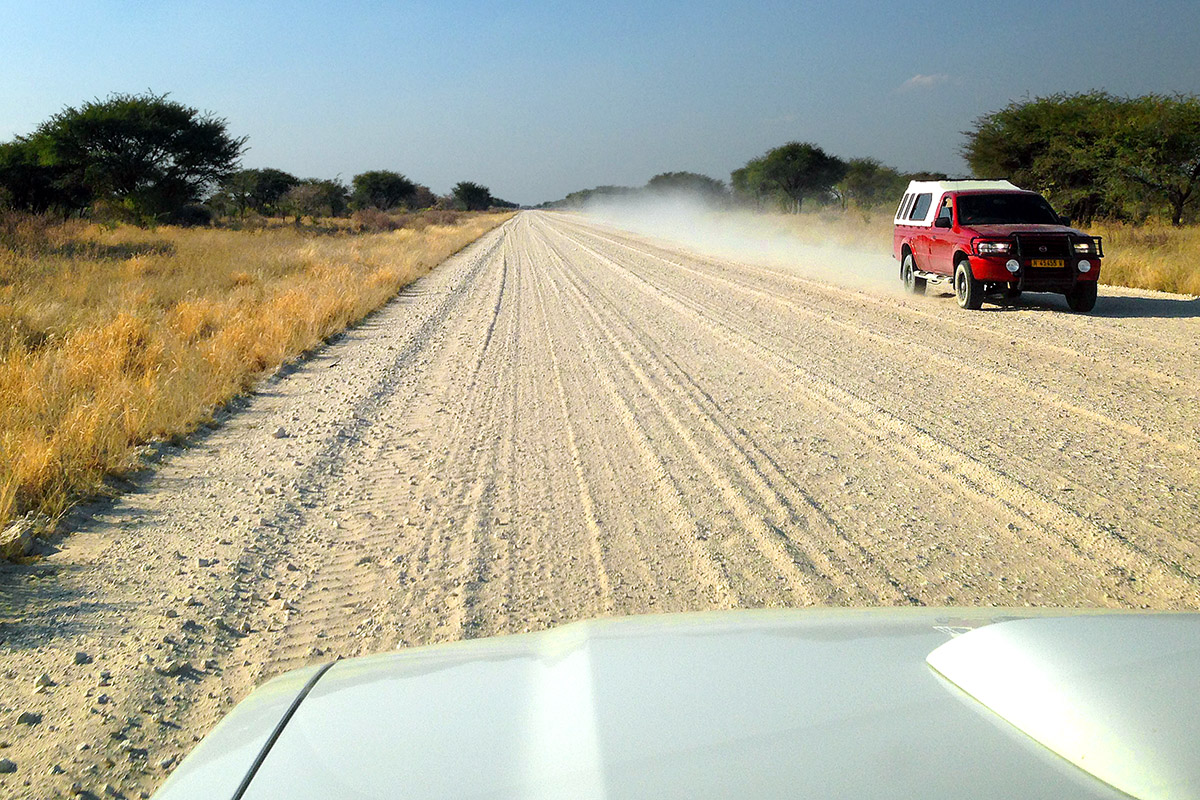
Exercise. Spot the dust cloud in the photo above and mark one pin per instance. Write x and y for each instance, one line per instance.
(743, 235)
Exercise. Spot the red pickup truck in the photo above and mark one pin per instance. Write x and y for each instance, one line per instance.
(991, 238)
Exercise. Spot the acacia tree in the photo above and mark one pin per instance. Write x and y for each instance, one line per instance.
(315, 198)
(257, 190)
(800, 170)
(472, 196)
(382, 189)
(749, 182)
(690, 183)
(1092, 153)
(422, 197)
(868, 183)
(26, 183)
(146, 152)
(1157, 148)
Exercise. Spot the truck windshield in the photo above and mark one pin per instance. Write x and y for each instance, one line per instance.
(1005, 209)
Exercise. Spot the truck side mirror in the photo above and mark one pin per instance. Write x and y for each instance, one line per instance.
(942, 222)
(1065, 220)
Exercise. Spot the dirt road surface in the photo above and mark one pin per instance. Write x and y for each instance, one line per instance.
(567, 421)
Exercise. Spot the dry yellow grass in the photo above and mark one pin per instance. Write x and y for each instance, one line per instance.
(1152, 256)
(113, 338)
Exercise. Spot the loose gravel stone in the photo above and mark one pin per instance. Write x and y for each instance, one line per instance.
(172, 668)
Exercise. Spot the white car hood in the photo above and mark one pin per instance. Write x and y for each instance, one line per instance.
(747, 704)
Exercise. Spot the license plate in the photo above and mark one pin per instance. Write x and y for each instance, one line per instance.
(1050, 263)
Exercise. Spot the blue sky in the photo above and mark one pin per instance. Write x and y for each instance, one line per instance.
(536, 99)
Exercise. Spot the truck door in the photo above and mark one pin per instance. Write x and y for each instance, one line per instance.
(920, 240)
(941, 240)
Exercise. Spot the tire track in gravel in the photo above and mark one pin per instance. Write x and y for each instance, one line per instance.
(688, 532)
(831, 408)
(586, 500)
(971, 475)
(806, 567)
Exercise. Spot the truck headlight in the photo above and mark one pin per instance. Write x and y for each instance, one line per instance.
(1083, 248)
(993, 248)
(1012, 265)
(1085, 265)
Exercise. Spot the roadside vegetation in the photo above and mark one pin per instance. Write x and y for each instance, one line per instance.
(146, 278)
(111, 337)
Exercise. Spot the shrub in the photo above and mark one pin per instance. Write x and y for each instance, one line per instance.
(192, 215)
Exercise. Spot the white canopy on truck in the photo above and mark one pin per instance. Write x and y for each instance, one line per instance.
(922, 198)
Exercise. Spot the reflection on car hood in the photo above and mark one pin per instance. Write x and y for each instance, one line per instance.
(795, 703)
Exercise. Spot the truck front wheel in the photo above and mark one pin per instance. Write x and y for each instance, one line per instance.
(1083, 297)
(908, 274)
(967, 289)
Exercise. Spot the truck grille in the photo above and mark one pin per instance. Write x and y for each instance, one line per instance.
(1043, 245)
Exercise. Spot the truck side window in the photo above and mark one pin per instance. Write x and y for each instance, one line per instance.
(903, 203)
(921, 207)
(945, 211)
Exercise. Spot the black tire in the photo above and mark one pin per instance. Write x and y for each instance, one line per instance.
(967, 290)
(1082, 298)
(1012, 293)
(908, 274)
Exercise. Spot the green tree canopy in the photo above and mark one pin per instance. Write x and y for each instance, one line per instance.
(149, 153)
(472, 196)
(801, 170)
(382, 189)
(315, 198)
(422, 197)
(1094, 154)
(689, 183)
(25, 182)
(257, 190)
(1157, 149)
(749, 183)
(869, 183)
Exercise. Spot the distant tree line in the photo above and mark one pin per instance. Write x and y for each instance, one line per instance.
(781, 179)
(1095, 155)
(147, 158)
(1092, 154)
(666, 184)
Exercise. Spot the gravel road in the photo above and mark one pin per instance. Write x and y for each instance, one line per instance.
(566, 421)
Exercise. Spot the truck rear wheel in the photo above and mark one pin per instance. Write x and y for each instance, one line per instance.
(967, 290)
(1082, 298)
(908, 274)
